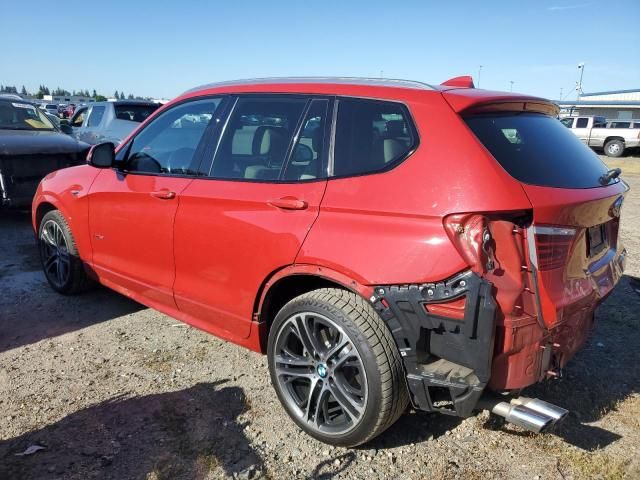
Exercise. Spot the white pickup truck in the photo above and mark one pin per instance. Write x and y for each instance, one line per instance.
(596, 133)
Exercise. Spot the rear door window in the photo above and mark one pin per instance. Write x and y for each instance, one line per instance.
(307, 161)
(257, 137)
(537, 149)
(371, 136)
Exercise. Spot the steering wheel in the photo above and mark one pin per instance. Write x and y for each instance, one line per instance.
(142, 162)
(179, 161)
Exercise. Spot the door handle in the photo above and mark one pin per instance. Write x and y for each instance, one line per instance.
(164, 194)
(289, 203)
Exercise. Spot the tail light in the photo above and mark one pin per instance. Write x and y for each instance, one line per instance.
(472, 238)
(553, 245)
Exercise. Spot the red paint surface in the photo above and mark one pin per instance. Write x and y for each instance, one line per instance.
(209, 255)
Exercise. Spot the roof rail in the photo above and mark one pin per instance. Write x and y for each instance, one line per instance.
(374, 82)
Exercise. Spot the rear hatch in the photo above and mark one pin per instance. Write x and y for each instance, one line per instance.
(573, 249)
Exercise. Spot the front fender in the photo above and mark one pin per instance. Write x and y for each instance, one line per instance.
(67, 190)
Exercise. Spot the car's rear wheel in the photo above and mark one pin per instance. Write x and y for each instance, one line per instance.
(61, 263)
(335, 367)
(614, 148)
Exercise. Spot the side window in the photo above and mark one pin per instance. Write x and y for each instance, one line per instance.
(257, 137)
(370, 136)
(95, 117)
(168, 144)
(306, 162)
(582, 123)
(567, 122)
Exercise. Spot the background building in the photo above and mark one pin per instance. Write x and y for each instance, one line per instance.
(615, 105)
(67, 99)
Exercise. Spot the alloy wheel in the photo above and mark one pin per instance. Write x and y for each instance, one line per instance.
(54, 252)
(320, 373)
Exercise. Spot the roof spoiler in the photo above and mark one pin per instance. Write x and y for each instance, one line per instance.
(465, 81)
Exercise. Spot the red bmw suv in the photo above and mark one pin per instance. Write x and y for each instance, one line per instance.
(384, 242)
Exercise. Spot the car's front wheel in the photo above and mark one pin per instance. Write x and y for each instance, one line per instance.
(61, 263)
(335, 367)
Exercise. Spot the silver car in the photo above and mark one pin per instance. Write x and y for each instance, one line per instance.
(108, 121)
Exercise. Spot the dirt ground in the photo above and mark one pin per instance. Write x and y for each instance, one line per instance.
(113, 390)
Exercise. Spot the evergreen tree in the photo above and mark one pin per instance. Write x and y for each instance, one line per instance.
(95, 94)
(116, 94)
(24, 91)
(121, 95)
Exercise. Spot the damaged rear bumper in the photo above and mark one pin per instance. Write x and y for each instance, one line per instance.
(447, 360)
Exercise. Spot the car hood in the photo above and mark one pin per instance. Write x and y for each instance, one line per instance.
(29, 142)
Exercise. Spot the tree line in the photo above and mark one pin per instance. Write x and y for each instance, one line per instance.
(60, 92)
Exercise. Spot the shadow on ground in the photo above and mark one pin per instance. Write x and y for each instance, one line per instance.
(30, 310)
(177, 435)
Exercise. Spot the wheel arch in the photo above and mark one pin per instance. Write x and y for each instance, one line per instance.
(614, 137)
(289, 282)
(42, 209)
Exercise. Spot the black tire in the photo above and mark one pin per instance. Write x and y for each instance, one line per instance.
(614, 148)
(74, 279)
(385, 397)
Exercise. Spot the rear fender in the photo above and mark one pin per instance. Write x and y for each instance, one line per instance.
(315, 270)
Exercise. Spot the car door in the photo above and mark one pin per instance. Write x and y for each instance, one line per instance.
(251, 213)
(91, 126)
(132, 207)
(581, 129)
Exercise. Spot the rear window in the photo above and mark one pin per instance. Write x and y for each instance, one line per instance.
(538, 150)
(134, 113)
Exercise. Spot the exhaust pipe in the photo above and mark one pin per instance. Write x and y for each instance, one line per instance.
(523, 416)
(540, 406)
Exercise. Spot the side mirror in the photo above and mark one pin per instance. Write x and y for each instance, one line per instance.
(66, 128)
(102, 155)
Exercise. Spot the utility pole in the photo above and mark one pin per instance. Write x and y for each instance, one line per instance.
(560, 93)
(511, 82)
(479, 75)
(579, 84)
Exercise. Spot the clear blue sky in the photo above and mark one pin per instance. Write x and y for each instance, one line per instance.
(156, 48)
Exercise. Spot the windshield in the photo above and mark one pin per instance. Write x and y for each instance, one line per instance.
(538, 150)
(23, 116)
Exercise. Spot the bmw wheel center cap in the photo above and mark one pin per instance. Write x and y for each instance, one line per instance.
(322, 370)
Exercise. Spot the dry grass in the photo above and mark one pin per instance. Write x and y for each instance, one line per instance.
(629, 165)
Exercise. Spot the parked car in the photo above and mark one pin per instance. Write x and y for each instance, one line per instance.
(383, 242)
(30, 148)
(108, 121)
(51, 108)
(68, 110)
(594, 131)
